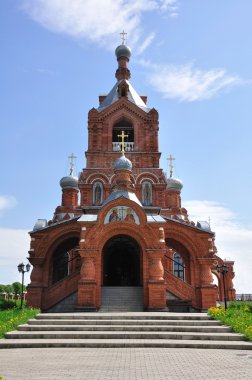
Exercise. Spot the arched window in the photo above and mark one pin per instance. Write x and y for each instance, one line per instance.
(146, 193)
(178, 266)
(97, 193)
(128, 129)
(123, 89)
(61, 259)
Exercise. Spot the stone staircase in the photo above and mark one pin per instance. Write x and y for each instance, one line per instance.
(121, 298)
(131, 329)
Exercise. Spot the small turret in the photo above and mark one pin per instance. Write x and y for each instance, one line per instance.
(123, 54)
(70, 190)
(173, 188)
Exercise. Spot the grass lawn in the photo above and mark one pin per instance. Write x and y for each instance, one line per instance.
(238, 316)
(11, 318)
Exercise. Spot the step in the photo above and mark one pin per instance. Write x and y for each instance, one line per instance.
(132, 316)
(208, 329)
(129, 329)
(121, 298)
(115, 322)
(121, 335)
(118, 343)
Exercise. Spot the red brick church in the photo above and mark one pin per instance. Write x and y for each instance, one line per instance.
(121, 226)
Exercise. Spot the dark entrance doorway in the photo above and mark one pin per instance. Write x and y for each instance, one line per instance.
(121, 262)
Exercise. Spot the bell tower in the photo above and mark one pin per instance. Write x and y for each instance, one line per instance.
(122, 110)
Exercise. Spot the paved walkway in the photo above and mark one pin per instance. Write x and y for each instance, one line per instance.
(125, 364)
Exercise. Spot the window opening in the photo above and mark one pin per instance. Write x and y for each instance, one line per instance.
(146, 194)
(178, 266)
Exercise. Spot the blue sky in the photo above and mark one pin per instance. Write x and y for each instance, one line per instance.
(192, 59)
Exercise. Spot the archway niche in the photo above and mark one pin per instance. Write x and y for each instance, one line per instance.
(121, 262)
(177, 247)
(65, 259)
(216, 281)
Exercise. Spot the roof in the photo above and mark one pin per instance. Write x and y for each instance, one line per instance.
(201, 226)
(88, 218)
(155, 219)
(123, 194)
(44, 225)
(113, 97)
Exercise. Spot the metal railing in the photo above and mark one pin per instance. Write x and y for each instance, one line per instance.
(243, 297)
(129, 146)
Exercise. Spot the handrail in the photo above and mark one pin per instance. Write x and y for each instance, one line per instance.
(55, 284)
(69, 260)
(63, 263)
(180, 279)
(178, 287)
(60, 290)
(180, 265)
(176, 262)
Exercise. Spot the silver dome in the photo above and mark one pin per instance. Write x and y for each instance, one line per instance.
(174, 184)
(40, 223)
(122, 163)
(123, 51)
(69, 182)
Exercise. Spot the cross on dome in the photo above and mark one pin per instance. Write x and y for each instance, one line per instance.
(124, 39)
(170, 158)
(72, 158)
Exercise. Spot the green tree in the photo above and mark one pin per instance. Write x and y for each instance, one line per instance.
(17, 287)
(9, 289)
(2, 288)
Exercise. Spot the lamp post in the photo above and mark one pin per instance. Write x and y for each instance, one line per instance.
(223, 269)
(21, 269)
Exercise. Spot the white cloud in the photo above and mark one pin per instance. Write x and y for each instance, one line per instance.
(187, 83)
(95, 20)
(233, 240)
(14, 246)
(148, 40)
(172, 6)
(7, 202)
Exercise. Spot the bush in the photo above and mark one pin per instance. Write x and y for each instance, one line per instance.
(245, 306)
(238, 315)
(11, 318)
(7, 304)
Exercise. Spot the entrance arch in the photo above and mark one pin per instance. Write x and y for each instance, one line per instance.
(121, 262)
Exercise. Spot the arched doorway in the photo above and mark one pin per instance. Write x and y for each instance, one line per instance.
(121, 262)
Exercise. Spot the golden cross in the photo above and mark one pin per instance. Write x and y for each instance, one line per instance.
(170, 158)
(72, 158)
(122, 143)
(123, 34)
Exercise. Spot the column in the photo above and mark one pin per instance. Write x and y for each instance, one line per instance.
(207, 291)
(229, 280)
(156, 285)
(35, 288)
(87, 283)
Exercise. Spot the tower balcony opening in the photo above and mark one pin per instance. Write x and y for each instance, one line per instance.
(127, 128)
